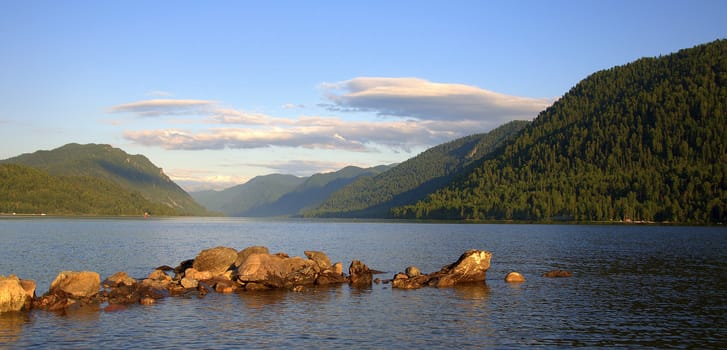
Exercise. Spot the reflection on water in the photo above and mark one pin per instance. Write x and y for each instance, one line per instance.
(11, 326)
(633, 286)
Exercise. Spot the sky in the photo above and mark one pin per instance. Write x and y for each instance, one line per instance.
(218, 92)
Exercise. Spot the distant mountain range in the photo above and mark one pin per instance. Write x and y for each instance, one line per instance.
(646, 141)
(97, 167)
(281, 195)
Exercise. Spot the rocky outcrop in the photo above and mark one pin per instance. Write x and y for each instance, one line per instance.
(224, 270)
(15, 294)
(215, 260)
(471, 266)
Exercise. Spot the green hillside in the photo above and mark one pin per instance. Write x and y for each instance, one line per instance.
(644, 141)
(413, 179)
(134, 173)
(26, 190)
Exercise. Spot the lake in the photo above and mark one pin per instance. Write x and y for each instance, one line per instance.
(633, 286)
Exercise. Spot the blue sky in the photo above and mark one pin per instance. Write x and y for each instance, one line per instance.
(217, 92)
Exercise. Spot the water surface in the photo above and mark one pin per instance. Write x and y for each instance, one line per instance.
(633, 286)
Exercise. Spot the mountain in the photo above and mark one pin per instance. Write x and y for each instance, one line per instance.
(646, 141)
(280, 195)
(237, 200)
(413, 179)
(133, 173)
(26, 190)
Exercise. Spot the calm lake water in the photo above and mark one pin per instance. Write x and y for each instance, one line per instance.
(633, 286)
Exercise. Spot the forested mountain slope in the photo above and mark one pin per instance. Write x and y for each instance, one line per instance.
(26, 190)
(132, 172)
(415, 178)
(644, 141)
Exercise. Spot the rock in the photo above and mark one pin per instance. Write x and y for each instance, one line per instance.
(400, 276)
(514, 277)
(243, 254)
(337, 268)
(413, 271)
(215, 260)
(471, 266)
(187, 282)
(320, 258)
(276, 271)
(197, 275)
(147, 301)
(83, 284)
(410, 283)
(29, 286)
(183, 266)
(360, 274)
(119, 279)
(330, 277)
(558, 274)
(159, 275)
(13, 297)
(225, 286)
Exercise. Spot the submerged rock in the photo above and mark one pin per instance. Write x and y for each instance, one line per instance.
(514, 277)
(558, 274)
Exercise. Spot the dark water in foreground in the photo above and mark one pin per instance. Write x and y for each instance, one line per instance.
(633, 286)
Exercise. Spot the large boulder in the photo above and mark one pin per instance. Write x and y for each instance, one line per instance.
(215, 260)
(243, 254)
(77, 284)
(360, 274)
(13, 295)
(471, 266)
(275, 271)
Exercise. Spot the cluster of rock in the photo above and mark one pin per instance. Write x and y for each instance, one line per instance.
(220, 269)
(225, 270)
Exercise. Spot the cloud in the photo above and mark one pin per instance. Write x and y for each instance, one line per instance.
(419, 114)
(301, 167)
(159, 93)
(165, 107)
(425, 100)
(199, 180)
(307, 132)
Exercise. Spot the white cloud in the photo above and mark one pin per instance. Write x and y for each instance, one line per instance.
(159, 93)
(199, 180)
(425, 100)
(165, 107)
(422, 114)
(301, 167)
